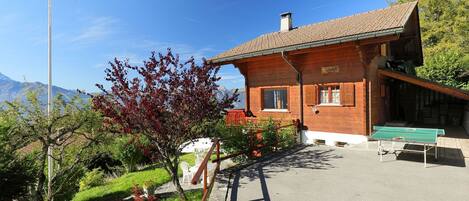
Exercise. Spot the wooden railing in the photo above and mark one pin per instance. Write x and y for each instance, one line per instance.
(204, 169)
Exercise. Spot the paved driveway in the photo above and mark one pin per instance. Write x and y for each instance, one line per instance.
(328, 173)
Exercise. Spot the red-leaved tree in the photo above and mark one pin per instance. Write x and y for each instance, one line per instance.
(167, 100)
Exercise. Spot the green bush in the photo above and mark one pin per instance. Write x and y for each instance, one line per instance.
(70, 185)
(269, 135)
(127, 150)
(277, 136)
(92, 179)
(70, 182)
(17, 172)
(287, 137)
(235, 139)
(243, 138)
(17, 175)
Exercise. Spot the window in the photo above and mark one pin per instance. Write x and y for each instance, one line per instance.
(329, 95)
(275, 99)
(324, 94)
(335, 94)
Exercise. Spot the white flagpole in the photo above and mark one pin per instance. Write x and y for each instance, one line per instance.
(49, 94)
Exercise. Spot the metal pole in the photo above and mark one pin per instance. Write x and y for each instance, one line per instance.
(49, 93)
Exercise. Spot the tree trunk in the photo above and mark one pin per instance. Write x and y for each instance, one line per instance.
(49, 196)
(175, 179)
(41, 176)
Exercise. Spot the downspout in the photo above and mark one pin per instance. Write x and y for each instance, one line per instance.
(299, 79)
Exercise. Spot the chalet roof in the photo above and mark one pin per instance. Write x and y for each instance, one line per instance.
(458, 93)
(387, 21)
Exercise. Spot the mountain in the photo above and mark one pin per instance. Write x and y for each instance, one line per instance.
(11, 90)
(240, 104)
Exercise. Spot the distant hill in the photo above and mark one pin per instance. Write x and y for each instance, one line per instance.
(11, 90)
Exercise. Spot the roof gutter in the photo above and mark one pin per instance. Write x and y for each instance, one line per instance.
(344, 39)
(299, 79)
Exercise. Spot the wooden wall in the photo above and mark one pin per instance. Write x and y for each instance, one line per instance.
(272, 71)
(338, 119)
(376, 86)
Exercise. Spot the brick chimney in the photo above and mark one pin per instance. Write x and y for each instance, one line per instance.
(285, 22)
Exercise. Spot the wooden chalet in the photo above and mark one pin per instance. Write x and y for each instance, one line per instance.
(340, 77)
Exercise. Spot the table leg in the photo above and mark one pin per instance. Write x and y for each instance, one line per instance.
(380, 151)
(394, 151)
(436, 152)
(425, 155)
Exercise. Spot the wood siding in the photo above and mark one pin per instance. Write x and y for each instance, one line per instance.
(272, 71)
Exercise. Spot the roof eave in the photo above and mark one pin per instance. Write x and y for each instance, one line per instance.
(452, 91)
(357, 37)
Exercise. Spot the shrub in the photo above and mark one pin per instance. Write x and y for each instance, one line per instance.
(127, 150)
(92, 179)
(17, 175)
(105, 162)
(235, 139)
(17, 172)
(269, 135)
(70, 185)
(287, 137)
(243, 138)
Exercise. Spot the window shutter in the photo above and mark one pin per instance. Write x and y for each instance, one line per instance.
(311, 94)
(347, 94)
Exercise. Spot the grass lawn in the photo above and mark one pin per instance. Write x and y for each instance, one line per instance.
(121, 187)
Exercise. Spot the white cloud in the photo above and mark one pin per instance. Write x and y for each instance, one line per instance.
(136, 51)
(231, 77)
(134, 59)
(100, 65)
(231, 80)
(99, 28)
(185, 51)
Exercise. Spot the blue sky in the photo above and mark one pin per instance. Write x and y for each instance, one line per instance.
(89, 33)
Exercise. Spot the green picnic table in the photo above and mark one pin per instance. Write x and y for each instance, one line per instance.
(428, 137)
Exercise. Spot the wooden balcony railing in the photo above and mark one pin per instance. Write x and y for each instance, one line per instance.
(204, 169)
(235, 118)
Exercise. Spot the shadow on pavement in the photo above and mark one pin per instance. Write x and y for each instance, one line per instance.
(298, 157)
(446, 156)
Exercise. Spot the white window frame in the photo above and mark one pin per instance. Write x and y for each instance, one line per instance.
(329, 95)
